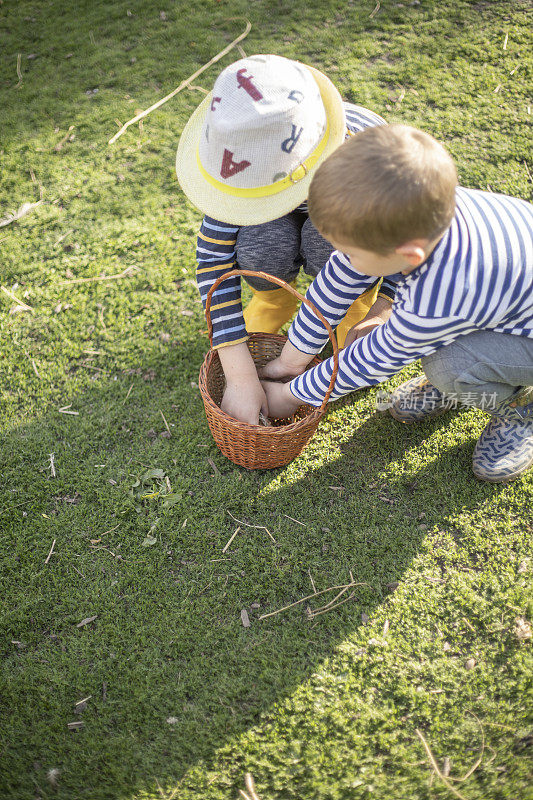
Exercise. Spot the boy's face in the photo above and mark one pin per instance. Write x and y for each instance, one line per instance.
(369, 263)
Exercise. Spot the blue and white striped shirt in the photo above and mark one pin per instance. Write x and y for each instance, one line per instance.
(478, 277)
(215, 254)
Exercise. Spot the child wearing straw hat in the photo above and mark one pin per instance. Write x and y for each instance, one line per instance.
(464, 305)
(246, 158)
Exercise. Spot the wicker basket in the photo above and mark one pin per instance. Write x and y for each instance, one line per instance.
(256, 446)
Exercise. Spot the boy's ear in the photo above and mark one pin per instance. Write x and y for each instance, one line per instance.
(414, 252)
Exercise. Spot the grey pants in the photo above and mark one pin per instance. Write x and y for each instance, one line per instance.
(280, 248)
(481, 369)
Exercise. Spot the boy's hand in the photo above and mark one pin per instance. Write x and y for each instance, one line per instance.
(243, 398)
(245, 401)
(377, 315)
(281, 402)
(290, 363)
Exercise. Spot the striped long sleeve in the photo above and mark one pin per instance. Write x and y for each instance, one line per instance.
(215, 254)
(479, 277)
(333, 291)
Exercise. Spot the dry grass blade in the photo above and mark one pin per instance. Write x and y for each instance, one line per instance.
(183, 84)
(51, 551)
(129, 392)
(295, 520)
(127, 272)
(230, 540)
(247, 525)
(344, 587)
(481, 752)
(250, 793)
(330, 608)
(166, 423)
(65, 410)
(12, 296)
(19, 73)
(60, 144)
(435, 766)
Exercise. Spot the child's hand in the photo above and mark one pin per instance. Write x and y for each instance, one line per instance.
(244, 397)
(377, 315)
(290, 363)
(281, 402)
(245, 401)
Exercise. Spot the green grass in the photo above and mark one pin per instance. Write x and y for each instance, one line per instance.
(324, 708)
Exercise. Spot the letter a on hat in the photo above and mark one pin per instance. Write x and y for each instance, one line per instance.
(231, 167)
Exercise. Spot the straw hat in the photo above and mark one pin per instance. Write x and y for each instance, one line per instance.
(248, 153)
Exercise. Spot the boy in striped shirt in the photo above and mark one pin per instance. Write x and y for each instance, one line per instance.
(464, 305)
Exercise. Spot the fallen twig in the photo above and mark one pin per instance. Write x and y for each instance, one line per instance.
(51, 551)
(435, 766)
(247, 524)
(129, 392)
(52, 466)
(375, 11)
(313, 614)
(127, 272)
(344, 587)
(250, 793)
(60, 144)
(296, 520)
(19, 73)
(65, 410)
(326, 607)
(166, 423)
(20, 303)
(230, 540)
(183, 84)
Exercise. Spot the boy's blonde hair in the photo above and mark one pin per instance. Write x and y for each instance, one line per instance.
(384, 187)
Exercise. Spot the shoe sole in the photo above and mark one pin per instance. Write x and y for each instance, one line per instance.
(429, 415)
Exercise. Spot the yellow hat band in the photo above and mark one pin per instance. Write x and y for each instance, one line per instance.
(272, 188)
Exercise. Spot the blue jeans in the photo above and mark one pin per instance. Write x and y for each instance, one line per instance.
(486, 367)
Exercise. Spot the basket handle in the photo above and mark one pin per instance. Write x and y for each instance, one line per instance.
(273, 279)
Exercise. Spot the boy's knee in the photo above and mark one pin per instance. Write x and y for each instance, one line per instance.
(444, 367)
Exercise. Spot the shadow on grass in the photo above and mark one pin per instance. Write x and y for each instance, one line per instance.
(170, 671)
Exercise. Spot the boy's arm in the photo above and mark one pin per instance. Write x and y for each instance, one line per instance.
(333, 291)
(215, 253)
(386, 350)
(379, 312)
